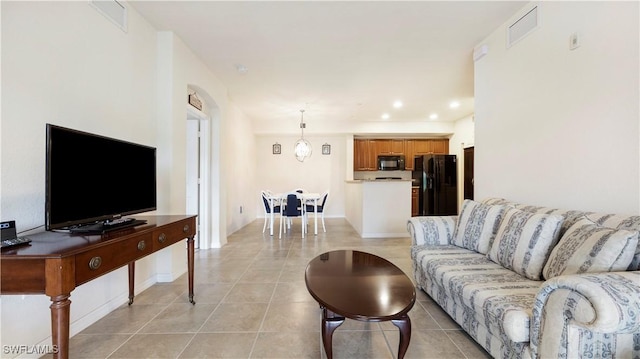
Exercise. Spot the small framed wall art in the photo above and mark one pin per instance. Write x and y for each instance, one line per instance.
(276, 148)
(326, 149)
(195, 101)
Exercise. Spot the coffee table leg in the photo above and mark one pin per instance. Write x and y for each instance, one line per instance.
(404, 324)
(330, 322)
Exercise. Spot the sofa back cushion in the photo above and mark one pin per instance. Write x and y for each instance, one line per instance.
(618, 221)
(524, 241)
(477, 225)
(590, 248)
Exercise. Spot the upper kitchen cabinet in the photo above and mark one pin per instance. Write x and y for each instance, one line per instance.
(364, 155)
(366, 151)
(422, 147)
(440, 147)
(390, 147)
(409, 153)
(428, 147)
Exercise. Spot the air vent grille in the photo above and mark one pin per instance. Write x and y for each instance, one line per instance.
(522, 27)
(112, 10)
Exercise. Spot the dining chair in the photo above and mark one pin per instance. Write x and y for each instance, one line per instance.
(310, 208)
(271, 207)
(291, 208)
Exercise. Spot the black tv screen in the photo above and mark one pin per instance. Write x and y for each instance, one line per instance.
(91, 178)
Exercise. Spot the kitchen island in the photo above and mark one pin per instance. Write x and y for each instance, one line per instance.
(378, 208)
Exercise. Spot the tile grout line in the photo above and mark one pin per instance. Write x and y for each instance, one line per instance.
(273, 293)
(131, 335)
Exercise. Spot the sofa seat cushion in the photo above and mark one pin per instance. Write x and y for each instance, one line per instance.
(499, 298)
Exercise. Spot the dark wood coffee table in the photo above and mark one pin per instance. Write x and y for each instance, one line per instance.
(360, 286)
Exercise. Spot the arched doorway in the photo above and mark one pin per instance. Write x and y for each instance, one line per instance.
(203, 172)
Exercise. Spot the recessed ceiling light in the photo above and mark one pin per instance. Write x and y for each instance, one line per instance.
(454, 104)
(385, 116)
(433, 116)
(397, 104)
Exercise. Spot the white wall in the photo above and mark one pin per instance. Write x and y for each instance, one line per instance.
(557, 127)
(282, 173)
(316, 126)
(463, 137)
(64, 63)
(232, 142)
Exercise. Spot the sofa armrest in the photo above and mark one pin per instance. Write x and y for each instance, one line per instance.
(432, 230)
(576, 315)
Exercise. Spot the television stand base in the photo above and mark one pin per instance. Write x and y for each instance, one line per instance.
(104, 227)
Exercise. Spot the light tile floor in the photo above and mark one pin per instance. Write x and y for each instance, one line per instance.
(251, 302)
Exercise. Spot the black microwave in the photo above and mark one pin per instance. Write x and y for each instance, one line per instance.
(391, 163)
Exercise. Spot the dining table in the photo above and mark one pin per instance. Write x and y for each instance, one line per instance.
(305, 197)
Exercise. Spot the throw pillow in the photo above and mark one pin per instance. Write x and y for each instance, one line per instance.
(587, 247)
(477, 226)
(524, 241)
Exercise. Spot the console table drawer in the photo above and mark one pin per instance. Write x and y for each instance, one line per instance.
(99, 261)
(168, 235)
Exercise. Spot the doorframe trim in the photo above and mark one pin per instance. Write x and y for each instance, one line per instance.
(205, 181)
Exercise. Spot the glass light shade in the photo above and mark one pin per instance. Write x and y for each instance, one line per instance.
(302, 149)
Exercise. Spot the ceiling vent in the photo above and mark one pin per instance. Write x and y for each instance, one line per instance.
(522, 27)
(112, 10)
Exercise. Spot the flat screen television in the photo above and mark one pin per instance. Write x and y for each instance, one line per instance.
(92, 181)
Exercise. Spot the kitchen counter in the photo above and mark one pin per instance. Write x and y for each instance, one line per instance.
(379, 208)
(377, 180)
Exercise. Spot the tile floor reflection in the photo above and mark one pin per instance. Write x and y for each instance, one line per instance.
(251, 302)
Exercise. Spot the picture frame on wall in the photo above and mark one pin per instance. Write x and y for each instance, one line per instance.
(194, 101)
(276, 148)
(326, 149)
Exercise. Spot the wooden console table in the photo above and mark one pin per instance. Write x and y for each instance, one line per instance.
(56, 263)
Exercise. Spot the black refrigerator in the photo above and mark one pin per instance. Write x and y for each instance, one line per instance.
(438, 192)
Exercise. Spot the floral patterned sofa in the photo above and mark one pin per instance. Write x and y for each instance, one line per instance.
(534, 282)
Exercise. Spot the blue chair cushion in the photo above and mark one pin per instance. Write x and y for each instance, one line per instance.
(276, 209)
(293, 208)
(311, 209)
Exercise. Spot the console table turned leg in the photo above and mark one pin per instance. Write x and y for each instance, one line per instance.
(404, 324)
(132, 278)
(330, 322)
(190, 261)
(60, 309)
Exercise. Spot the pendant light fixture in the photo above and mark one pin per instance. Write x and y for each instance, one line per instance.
(302, 147)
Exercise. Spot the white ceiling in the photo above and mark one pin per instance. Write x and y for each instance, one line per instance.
(343, 61)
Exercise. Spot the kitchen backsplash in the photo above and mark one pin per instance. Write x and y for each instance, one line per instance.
(371, 175)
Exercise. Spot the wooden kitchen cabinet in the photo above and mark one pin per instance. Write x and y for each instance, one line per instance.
(390, 147)
(440, 147)
(422, 147)
(365, 157)
(383, 147)
(409, 153)
(366, 151)
(428, 147)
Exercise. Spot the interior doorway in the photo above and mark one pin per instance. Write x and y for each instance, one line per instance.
(197, 168)
(468, 173)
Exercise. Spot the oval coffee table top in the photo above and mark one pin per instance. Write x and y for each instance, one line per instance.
(359, 285)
